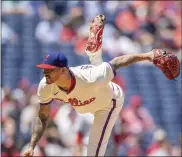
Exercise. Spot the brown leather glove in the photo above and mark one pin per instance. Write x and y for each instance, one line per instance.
(168, 63)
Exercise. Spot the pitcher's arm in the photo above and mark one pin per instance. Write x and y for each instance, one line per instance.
(40, 125)
(126, 60)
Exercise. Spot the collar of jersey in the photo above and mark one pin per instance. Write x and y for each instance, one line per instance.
(72, 86)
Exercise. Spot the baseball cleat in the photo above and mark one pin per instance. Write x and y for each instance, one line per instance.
(94, 42)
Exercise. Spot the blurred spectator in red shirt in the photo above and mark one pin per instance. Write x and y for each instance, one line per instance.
(8, 146)
(126, 22)
(134, 120)
(75, 19)
(118, 79)
(141, 113)
(130, 147)
(160, 146)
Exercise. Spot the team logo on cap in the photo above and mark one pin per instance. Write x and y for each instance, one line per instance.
(46, 57)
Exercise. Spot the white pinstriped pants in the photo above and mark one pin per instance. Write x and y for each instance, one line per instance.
(104, 121)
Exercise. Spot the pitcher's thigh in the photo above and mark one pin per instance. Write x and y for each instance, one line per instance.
(101, 129)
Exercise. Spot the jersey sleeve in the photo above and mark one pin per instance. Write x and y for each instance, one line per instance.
(99, 75)
(44, 93)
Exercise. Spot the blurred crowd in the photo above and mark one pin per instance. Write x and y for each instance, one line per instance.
(134, 134)
(139, 25)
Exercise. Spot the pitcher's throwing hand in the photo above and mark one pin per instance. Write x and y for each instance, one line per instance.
(28, 153)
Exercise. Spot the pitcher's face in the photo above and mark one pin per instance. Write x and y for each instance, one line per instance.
(52, 75)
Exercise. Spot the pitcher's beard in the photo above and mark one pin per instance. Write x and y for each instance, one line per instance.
(49, 80)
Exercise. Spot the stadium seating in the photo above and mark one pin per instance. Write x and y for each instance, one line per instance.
(160, 95)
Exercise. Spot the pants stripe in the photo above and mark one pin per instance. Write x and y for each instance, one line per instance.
(105, 126)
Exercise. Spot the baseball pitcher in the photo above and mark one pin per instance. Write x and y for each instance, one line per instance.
(89, 88)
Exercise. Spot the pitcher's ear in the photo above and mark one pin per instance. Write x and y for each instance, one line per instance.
(63, 69)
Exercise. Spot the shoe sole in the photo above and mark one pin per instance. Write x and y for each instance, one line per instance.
(95, 39)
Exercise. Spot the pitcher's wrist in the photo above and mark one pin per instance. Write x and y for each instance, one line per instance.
(31, 146)
(150, 56)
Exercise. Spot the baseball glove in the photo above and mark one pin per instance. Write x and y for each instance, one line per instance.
(167, 62)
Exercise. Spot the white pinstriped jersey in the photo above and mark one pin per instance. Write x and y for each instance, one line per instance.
(92, 88)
